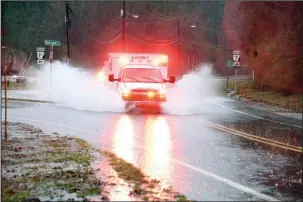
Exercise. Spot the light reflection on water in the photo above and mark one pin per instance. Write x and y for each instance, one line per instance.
(149, 146)
(123, 142)
(158, 160)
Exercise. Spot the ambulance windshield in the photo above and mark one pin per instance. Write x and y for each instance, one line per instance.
(142, 75)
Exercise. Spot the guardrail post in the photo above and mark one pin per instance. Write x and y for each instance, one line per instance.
(227, 84)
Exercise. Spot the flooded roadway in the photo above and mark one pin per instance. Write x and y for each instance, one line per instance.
(200, 161)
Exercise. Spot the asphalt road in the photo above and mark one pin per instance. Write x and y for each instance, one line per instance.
(213, 154)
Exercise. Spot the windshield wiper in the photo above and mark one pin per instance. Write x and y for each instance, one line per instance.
(151, 79)
(130, 78)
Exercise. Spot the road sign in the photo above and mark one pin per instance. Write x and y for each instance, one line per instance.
(229, 63)
(40, 55)
(40, 62)
(236, 64)
(40, 49)
(52, 43)
(236, 52)
(236, 58)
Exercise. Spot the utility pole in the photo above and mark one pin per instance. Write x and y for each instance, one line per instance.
(179, 44)
(68, 24)
(5, 91)
(123, 25)
(193, 54)
(193, 65)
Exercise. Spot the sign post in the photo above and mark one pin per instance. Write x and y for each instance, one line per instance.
(229, 64)
(40, 55)
(236, 64)
(51, 53)
(51, 43)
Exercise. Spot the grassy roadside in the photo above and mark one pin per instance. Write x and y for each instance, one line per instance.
(36, 167)
(16, 86)
(148, 189)
(249, 90)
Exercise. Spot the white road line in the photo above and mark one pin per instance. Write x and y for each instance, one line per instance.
(199, 170)
(228, 182)
(56, 124)
(258, 117)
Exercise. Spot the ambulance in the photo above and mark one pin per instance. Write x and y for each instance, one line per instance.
(141, 77)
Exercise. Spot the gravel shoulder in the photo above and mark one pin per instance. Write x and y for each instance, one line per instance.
(52, 167)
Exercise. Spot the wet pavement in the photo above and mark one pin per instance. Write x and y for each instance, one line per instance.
(182, 150)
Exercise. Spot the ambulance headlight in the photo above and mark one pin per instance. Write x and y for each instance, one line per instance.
(126, 92)
(150, 94)
(162, 93)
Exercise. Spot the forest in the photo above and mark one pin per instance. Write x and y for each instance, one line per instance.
(269, 34)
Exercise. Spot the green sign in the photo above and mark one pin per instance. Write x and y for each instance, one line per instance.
(52, 43)
(229, 63)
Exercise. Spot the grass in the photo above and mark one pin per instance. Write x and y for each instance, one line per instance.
(78, 158)
(181, 197)
(89, 192)
(81, 181)
(130, 173)
(11, 196)
(231, 84)
(250, 91)
(124, 169)
(16, 86)
(83, 143)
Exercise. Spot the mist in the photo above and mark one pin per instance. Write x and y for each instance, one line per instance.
(194, 92)
(86, 91)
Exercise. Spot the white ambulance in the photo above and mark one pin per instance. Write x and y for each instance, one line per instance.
(140, 77)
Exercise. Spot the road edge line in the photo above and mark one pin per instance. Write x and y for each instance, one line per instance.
(227, 181)
(257, 117)
(231, 130)
(246, 136)
(28, 100)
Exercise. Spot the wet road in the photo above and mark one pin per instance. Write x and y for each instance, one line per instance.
(214, 154)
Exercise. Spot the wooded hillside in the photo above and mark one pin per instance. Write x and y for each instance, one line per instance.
(269, 34)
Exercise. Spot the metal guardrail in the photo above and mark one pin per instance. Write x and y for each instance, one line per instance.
(241, 77)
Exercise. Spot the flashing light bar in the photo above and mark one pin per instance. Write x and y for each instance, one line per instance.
(163, 59)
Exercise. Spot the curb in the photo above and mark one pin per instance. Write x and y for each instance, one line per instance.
(28, 100)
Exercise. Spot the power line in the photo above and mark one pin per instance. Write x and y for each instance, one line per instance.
(105, 42)
(164, 44)
(149, 36)
(207, 45)
(162, 17)
(123, 25)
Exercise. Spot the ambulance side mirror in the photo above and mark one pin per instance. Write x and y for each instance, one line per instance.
(172, 79)
(111, 78)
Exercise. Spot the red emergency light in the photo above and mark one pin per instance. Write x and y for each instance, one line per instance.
(163, 59)
(123, 60)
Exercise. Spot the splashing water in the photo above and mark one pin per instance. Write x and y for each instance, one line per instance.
(77, 89)
(84, 91)
(194, 92)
